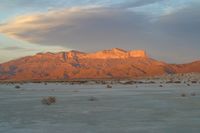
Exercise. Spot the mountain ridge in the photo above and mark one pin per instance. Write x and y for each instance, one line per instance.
(104, 54)
(108, 64)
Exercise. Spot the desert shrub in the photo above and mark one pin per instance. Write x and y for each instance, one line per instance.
(92, 99)
(169, 82)
(103, 82)
(128, 83)
(160, 85)
(152, 82)
(17, 87)
(109, 86)
(140, 82)
(194, 82)
(49, 100)
(177, 82)
(82, 82)
(183, 95)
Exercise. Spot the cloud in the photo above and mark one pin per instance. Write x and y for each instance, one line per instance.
(13, 48)
(19, 49)
(78, 25)
(183, 23)
(90, 28)
(34, 23)
(138, 3)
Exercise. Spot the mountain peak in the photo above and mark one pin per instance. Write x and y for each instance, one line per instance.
(118, 50)
(115, 53)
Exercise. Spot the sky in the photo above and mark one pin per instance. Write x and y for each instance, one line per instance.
(169, 30)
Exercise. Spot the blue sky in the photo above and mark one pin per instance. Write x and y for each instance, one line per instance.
(167, 29)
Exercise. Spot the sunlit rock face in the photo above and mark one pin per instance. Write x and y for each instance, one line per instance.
(107, 64)
(114, 53)
(138, 53)
(108, 54)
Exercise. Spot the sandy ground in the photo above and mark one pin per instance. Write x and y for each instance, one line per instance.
(135, 108)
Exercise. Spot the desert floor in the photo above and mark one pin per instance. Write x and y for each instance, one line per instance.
(92, 108)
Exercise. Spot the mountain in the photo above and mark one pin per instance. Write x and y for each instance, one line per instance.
(106, 64)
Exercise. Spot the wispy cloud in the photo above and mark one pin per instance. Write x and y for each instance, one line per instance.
(74, 26)
(97, 27)
(16, 48)
(42, 22)
(13, 48)
(138, 3)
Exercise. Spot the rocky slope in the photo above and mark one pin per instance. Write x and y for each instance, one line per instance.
(114, 63)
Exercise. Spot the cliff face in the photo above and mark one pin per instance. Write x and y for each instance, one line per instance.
(115, 53)
(114, 63)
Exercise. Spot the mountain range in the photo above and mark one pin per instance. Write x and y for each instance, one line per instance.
(107, 64)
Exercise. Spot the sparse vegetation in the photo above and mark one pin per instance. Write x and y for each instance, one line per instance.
(103, 82)
(49, 100)
(169, 82)
(194, 82)
(177, 82)
(193, 94)
(128, 83)
(152, 82)
(92, 99)
(140, 82)
(109, 86)
(183, 95)
(17, 87)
